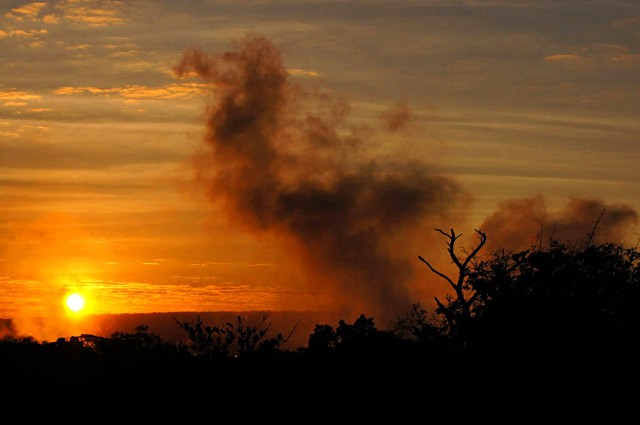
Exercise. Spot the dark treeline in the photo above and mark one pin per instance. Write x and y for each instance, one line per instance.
(537, 336)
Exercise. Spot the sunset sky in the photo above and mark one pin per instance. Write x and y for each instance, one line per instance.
(527, 106)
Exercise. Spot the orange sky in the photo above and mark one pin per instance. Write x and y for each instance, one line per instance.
(536, 101)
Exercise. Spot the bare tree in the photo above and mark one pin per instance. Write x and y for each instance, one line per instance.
(457, 310)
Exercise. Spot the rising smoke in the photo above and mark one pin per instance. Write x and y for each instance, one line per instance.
(527, 222)
(304, 174)
(282, 165)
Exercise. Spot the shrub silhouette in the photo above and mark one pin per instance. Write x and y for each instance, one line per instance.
(420, 325)
(231, 339)
(565, 292)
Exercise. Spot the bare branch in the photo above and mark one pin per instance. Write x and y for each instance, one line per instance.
(595, 226)
(291, 333)
(442, 275)
(483, 240)
(538, 244)
(451, 244)
(522, 256)
(447, 313)
(445, 233)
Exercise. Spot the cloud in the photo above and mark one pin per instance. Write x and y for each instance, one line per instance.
(14, 103)
(303, 176)
(30, 10)
(303, 72)
(564, 57)
(597, 53)
(136, 92)
(94, 13)
(15, 95)
(81, 46)
(627, 22)
(51, 19)
(22, 33)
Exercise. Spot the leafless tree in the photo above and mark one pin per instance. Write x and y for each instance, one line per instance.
(458, 308)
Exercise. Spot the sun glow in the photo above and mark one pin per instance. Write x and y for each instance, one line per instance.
(75, 303)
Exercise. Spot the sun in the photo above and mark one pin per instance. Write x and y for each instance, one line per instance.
(75, 302)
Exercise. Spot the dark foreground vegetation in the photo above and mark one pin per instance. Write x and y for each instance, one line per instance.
(540, 336)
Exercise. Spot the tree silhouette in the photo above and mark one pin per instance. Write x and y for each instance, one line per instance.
(323, 339)
(361, 335)
(565, 292)
(457, 309)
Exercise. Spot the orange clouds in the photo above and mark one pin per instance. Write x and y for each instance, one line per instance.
(297, 71)
(17, 98)
(94, 13)
(22, 33)
(93, 16)
(12, 95)
(598, 53)
(26, 11)
(136, 92)
(564, 57)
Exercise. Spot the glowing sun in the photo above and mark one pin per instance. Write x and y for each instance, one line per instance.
(75, 302)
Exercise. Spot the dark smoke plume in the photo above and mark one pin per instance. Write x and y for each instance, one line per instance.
(280, 165)
(527, 222)
(7, 329)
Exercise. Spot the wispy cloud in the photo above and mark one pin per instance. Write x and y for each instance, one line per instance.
(571, 57)
(137, 92)
(627, 22)
(14, 103)
(22, 33)
(17, 99)
(303, 72)
(95, 13)
(51, 19)
(16, 95)
(597, 53)
(26, 11)
(81, 46)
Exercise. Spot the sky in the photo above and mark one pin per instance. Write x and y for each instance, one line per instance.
(162, 156)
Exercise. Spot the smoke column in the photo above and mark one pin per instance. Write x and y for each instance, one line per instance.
(305, 176)
(524, 222)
